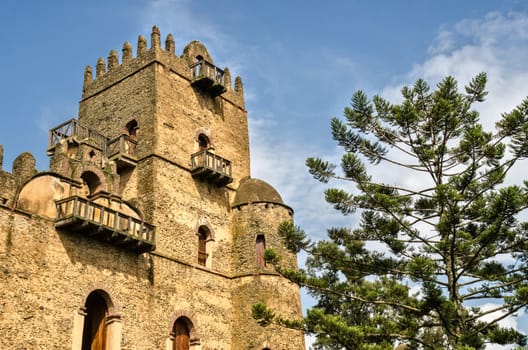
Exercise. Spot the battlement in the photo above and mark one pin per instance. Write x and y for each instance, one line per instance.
(195, 64)
(23, 169)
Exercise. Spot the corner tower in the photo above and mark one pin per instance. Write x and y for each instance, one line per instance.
(258, 210)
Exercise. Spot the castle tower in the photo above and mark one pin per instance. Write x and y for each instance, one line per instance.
(148, 227)
(258, 209)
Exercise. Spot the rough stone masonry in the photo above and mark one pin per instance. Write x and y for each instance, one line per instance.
(147, 230)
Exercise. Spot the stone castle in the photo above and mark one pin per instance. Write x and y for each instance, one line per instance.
(147, 232)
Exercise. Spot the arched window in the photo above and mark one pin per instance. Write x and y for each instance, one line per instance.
(203, 236)
(95, 329)
(181, 335)
(260, 246)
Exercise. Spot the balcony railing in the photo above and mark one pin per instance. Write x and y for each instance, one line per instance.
(208, 77)
(207, 165)
(105, 224)
(72, 128)
(122, 149)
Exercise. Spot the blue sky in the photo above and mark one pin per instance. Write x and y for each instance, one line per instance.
(300, 62)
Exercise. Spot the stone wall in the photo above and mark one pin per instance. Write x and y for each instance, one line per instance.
(255, 219)
(182, 205)
(277, 294)
(51, 273)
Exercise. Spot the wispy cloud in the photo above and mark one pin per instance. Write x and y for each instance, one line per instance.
(179, 18)
(496, 44)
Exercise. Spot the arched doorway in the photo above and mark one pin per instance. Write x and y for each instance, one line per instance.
(131, 128)
(130, 145)
(182, 335)
(90, 182)
(97, 324)
(203, 142)
(95, 329)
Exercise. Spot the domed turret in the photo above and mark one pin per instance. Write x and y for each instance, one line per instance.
(258, 210)
(256, 191)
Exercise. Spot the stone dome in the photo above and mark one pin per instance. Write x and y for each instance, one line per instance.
(254, 191)
(39, 194)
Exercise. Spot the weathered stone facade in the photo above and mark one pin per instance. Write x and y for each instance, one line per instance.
(147, 224)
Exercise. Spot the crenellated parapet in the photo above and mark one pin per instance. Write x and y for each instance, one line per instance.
(194, 64)
(23, 169)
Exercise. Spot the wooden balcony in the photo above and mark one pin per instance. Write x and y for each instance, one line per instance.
(78, 214)
(72, 130)
(122, 150)
(208, 77)
(208, 166)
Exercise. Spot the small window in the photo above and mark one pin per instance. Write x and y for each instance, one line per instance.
(260, 246)
(202, 246)
(181, 335)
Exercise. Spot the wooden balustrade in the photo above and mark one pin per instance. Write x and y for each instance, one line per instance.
(207, 165)
(122, 149)
(208, 77)
(121, 144)
(72, 129)
(82, 215)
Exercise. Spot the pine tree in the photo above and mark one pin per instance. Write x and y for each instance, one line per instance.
(454, 234)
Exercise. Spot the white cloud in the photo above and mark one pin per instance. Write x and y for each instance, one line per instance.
(444, 42)
(310, 340)
(496, 44)
(508, 322)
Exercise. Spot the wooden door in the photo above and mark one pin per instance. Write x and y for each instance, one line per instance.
(94, 332)
(181, 335)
